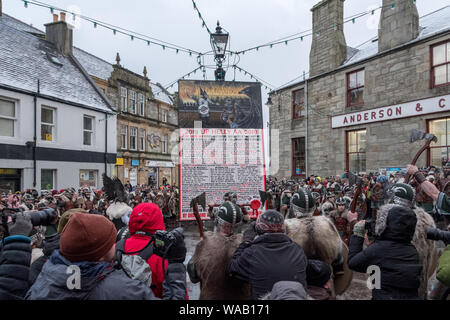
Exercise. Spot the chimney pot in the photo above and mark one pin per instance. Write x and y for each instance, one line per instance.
(55, 17)
(63, 16)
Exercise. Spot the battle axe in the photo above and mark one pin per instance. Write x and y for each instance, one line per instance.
(199, 200)
(417, 135)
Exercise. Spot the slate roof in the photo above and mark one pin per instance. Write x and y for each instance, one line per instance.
(431, 24)
(25, 59)
(160, 94)
(19, 25)
(94, 65)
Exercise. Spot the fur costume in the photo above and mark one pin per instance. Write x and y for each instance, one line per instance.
(211, 259)
(317, 236)
(117, 210)
(426, 248)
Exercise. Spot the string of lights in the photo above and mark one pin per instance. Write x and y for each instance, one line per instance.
(116, 29)
(306, 33)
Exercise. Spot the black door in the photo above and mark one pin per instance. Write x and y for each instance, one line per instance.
(10, 180)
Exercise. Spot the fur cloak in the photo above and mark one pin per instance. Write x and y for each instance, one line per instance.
(211, 258)
(426, 248)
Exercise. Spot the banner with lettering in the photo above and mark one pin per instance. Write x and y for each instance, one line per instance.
(220, 143)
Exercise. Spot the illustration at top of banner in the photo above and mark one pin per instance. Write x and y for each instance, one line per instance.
(220, 104)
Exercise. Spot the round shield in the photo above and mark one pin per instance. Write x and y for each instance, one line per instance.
(255, 204)
(343, 278)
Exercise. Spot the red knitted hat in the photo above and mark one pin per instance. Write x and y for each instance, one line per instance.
(87, 237)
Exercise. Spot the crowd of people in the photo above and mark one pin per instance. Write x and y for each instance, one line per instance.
(113, 243)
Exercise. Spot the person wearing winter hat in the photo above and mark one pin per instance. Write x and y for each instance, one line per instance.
(83, 268)
(267, 255)
(318, 277)
(145, 219)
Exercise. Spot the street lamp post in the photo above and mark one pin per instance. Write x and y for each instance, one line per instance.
(219, 41)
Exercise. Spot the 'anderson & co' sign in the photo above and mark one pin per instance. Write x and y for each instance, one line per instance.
(404, 110)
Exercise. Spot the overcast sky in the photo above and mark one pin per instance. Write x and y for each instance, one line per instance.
(249, 22)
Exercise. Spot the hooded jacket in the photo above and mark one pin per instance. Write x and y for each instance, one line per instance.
(392, 252)
(145, 220)
(99, 281)
(269, 258)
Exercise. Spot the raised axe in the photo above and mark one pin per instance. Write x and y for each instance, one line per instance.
(417, 135)
(354, 180)
(199, 200)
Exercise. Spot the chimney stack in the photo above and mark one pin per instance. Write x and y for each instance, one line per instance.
(63, 16)
(328, 49)
(399, 24)
(60, 34)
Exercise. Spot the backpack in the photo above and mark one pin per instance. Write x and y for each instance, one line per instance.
(135, 265)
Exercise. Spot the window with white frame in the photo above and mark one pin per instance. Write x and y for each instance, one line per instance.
(88, 178)
(88, 131)
(133, 138)
(164, 115)
(133, 102)
(47, 124)
(48, 179)
(123, 99)
(142, 139)
(7, 118)
(164, 144)
(123, 136)
(142, 104)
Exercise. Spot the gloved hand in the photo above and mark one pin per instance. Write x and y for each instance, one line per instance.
(22, 226)
(177, 252)
(250, 233)
(359, 229)
(351, 216)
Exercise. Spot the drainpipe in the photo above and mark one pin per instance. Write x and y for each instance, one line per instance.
(307, 116)
(106, 141)
(35, 133)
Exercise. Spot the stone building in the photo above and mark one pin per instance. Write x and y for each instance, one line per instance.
(147, 117)
(357, 108)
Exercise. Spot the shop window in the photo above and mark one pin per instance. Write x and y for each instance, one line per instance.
(440, 62)
(356, 151)
(47, 124)
(298, 157)
(88, 130)
(355, 88)
(133, 138)
(48, 178)
(88, 178)
(438, 153)
(7, 118)
(123, 99)
(298, 104)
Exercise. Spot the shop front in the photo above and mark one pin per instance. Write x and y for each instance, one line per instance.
(10, 180)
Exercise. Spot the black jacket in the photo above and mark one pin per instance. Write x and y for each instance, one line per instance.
(270, 258)
(49, 246)
(14, 267)
(393, 253)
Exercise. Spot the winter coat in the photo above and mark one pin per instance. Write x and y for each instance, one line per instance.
(269, 258)
(288, 290)
(318, 293)
(49, 246)
(100, 281)
(137, 242)
(14, 267)
(443, 271)
(392, 252)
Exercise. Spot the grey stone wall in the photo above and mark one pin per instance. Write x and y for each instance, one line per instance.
(328, 49)
(394, 78)
(398, 25)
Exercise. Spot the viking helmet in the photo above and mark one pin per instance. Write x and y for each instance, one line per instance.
(341, 201)
(303, 203)
(402, 194)
(227, 216)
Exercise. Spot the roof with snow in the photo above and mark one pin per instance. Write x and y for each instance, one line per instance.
(94, 65)
(19, 25)
(25, 59)
(430, 25)
(160, 94)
